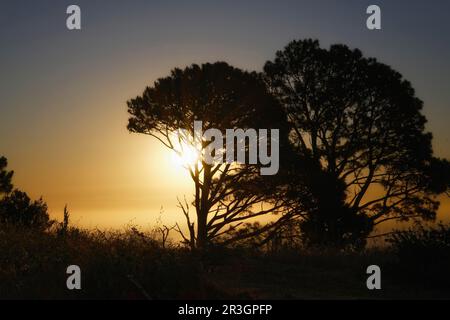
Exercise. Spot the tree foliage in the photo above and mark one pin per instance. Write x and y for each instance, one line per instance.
(5, 177)
(362, 122)
(16, 207)
(222, 97)
(19, 210)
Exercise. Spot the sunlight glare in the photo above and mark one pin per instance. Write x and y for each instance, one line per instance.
(185, 154)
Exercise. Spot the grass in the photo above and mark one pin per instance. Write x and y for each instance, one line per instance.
(134, 265)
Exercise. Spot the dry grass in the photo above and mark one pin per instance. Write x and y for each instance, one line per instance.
(133, 265)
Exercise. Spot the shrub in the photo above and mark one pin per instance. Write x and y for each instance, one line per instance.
(17, 209)
(424, 254)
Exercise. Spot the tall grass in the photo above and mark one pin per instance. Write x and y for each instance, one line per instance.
(133, 264)
(114, 265)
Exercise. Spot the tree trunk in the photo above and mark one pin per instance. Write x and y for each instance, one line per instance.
(202, 212)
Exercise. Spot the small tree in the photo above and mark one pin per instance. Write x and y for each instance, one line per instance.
(5, 177)
(222, 97)
(17, 209)
(63, 227)
(361, 122)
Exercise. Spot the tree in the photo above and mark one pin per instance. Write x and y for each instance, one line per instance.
(5, 177)
(362, 123)
(16, 208)
(222, 97)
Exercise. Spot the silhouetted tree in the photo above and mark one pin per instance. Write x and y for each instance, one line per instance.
(63, 227)
(223, 97)
(360, 121)
(16, 208)
(5, 177)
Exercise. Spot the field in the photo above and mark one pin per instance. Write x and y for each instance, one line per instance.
(134, 265)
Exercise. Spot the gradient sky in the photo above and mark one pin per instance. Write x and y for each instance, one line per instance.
(63, 93)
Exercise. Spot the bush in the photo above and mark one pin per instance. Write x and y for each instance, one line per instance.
(17, 209)
(424, 254)
(114, 265)
(5, 176)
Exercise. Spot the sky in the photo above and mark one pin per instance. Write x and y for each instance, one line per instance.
(63, 93)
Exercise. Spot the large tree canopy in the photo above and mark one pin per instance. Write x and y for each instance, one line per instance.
(222, 97)
(362, 122)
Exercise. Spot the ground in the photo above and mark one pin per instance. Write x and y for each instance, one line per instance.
(129, 265)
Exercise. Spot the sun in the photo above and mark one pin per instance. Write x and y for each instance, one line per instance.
(185, 154)
(188, 157)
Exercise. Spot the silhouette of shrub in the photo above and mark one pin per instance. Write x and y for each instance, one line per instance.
(423, 254)
(5, 176)
(16, 208)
